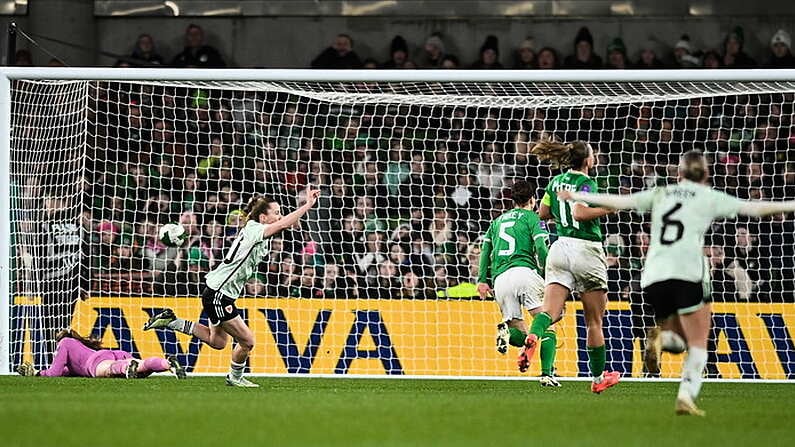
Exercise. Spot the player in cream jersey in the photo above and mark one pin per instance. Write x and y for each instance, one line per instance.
(225, 282)
(246, 253)
(675, 274)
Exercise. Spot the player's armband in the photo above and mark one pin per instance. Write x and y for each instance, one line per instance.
(546, 200)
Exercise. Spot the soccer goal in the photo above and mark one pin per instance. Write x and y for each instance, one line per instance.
(380, 278)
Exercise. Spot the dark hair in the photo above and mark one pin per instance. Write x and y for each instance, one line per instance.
(258, 204)
(693, 166)
(521, 192)
(347, 36)
(553, 52)
(90, 342)
(561, 155)
(451, 58)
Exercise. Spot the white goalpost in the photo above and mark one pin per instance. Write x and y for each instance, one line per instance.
(413, 165)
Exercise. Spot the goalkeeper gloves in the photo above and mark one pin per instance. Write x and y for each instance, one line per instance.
(26, 369)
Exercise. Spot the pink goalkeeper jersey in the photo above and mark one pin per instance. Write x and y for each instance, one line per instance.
(72, 358)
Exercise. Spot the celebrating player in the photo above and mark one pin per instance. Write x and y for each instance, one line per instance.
(576, 261)
(225, 282)
(676, 278)
(511, 258)
(78, 356)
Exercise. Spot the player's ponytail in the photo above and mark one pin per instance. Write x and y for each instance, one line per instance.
(91, 343)
(257, 205)
(562, 155)
(693, 166)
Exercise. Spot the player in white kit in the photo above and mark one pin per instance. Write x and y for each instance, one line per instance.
(225, 282)
(675, 277)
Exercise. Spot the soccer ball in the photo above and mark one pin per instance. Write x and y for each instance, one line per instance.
(172, 234)
(672, 342)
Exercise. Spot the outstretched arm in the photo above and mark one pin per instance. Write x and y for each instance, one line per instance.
(58, 367)
(760, 208)
(290, 219)
(611, 201)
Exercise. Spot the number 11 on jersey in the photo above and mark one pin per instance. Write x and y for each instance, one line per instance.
(566, 208)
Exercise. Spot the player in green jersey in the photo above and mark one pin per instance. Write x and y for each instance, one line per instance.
(675, 275)
(226, 280)
(512, 257)
(576, 261)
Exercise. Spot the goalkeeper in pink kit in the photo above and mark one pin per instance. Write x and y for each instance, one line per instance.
(76, 356)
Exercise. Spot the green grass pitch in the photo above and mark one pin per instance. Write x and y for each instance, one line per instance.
(201, 411)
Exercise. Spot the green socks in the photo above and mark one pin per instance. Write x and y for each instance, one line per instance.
(549, 344)
(517, 337)
(548, 340)
(541, 323)
(596, 360)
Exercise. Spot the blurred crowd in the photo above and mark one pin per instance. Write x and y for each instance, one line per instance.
(528, 54)
(407, 190)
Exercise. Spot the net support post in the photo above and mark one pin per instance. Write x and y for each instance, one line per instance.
(5, 225)
(11, 46)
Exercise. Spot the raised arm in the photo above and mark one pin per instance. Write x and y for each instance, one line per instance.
(290, 219)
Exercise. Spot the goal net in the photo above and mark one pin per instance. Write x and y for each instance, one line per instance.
(380, 277)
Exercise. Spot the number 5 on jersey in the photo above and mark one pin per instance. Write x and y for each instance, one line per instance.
(507, 238)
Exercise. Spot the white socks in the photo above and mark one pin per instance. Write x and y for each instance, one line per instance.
(237, 369)
(692, 372)
(180, 325)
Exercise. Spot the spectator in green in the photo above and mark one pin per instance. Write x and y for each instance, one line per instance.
(213, 160)
(397, 169)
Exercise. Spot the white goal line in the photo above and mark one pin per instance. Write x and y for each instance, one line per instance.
(480, 378)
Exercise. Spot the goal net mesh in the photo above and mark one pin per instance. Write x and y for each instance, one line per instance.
(380, 276)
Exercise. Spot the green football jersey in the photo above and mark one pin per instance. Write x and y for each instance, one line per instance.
(562, 210)
(517, 238)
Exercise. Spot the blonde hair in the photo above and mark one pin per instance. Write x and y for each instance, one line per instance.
(693, 166)
(561, 155)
